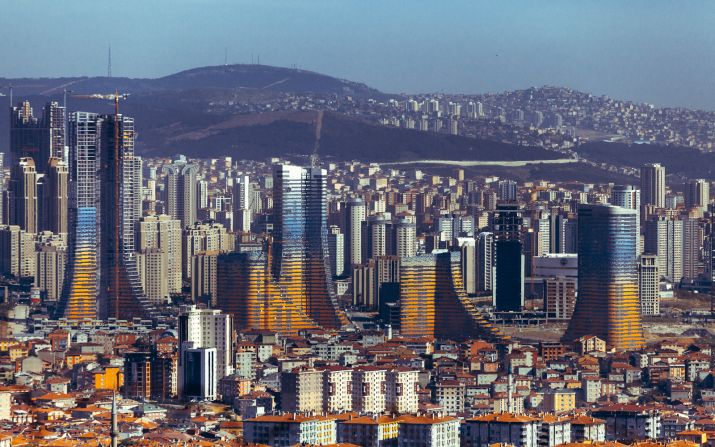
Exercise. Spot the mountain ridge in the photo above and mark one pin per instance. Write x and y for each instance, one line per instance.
(250, 76)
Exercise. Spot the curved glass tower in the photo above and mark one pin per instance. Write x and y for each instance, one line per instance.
(300, 259)
(607, 304)
(433, 302)
(79, 297)
(288, 286)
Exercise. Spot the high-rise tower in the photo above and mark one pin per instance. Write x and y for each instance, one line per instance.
(664, 238)
(405, 238)
(287, 286)
(300, 255)
(79, 296)
(608, 304)
(181, 199)
(508, 291)
(23, 195)
(105, 205)
(56, 196)
(25, 134)
(120, 292)
(40, 139)
(697, 194)
(433, 302)
(653, 185)
(355, 214)
(53, 124)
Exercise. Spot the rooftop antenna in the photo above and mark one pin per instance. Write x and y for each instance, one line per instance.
(314, 160)
(114, 429)
(109, 62)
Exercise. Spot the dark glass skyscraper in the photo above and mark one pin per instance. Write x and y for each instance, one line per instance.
(607, 305)
(25, 136)
(37, 138)
(509, 258)
(120, 292)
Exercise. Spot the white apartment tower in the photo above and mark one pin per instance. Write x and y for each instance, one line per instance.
(664, 238)
(402, 385)
(206, 328)
(405, 238)
(648, 288)
(369, 389)
(336, 249)
(355, 213)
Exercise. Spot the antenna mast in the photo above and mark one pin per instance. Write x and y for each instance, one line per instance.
(109, 62)
(314, 160)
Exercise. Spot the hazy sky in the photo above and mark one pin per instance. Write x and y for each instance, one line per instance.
(658, 51)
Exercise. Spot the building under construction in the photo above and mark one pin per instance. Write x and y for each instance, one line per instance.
(105, 189)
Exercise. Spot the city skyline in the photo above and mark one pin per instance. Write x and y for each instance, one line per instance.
(248, 254)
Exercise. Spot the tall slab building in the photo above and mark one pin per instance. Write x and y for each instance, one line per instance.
(653, 185)
(180, 188)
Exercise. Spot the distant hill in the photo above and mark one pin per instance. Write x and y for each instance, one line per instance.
(262, 77)
(190, 112)
(342, 138)
(679, 161)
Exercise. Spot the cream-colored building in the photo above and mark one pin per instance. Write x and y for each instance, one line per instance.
(337, 389)
(203, 276)
(428, 431)
(402, 387)
(50, 270)
(153, 267)
(164, 233)
(290, 429)
(202, 238)
(302, 390)
(369, 389)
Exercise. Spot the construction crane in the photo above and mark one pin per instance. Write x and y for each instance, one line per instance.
(10, 88)
(116, 97)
